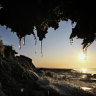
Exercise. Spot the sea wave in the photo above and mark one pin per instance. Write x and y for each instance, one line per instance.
(68, 83)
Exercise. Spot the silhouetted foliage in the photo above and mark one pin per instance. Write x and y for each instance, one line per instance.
(23, 16)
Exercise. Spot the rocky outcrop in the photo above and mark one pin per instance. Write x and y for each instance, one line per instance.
(15, 74)
(18, 77)
(6, 51)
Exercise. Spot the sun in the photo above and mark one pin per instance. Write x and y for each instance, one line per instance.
(82, 56)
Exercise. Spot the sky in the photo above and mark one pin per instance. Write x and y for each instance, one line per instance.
(57, 52)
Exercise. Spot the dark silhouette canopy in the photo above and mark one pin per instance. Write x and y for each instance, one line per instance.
(23, 16)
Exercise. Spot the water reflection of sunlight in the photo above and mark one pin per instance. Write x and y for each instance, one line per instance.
(86, 88)
(84, 70)
(84, 76)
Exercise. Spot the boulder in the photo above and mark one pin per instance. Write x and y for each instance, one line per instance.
(17, 74)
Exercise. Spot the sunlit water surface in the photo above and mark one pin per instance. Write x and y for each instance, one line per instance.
(87, 70)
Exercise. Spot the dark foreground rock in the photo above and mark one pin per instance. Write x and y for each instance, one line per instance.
(18, 77)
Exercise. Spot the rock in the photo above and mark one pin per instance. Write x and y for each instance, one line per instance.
(0, 85)
(26, 58)
(38, 93)
(94, 75)
(17, 73)
(2, 93)
(26, 62)
(18, 76)
(49, 74)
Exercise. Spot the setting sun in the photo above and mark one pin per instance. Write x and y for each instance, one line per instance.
(82, 56)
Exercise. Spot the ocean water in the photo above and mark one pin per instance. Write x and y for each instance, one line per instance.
(87, 70)
(67, 81)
